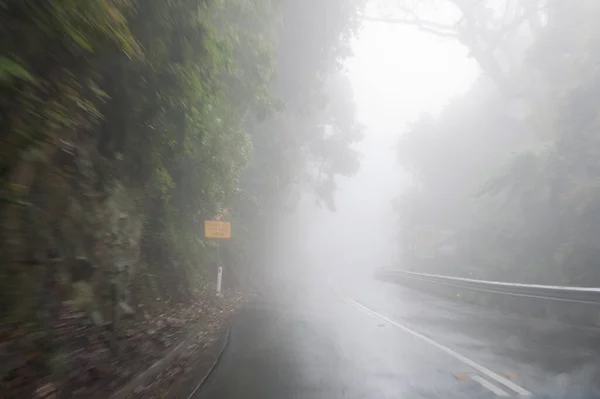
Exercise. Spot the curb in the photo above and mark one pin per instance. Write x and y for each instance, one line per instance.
(206, 373)
(158, 367)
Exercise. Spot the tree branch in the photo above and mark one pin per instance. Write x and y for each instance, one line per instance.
(431, 27)
(480, 40)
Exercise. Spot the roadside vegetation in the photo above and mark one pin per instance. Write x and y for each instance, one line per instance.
(127, 123)
(506, 176)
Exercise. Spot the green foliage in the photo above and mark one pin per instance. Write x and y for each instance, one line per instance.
(203, 104)
(127, 123)
(10, 70)
(306, 142)
(46, 70)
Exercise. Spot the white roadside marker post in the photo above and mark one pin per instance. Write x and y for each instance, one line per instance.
(219, 280)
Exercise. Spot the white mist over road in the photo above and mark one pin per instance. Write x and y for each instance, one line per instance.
(397, 74)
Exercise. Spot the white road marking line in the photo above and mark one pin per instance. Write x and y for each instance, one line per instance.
(486, 384)
(483, 370)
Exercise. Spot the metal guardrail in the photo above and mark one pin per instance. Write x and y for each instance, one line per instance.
(581, 295)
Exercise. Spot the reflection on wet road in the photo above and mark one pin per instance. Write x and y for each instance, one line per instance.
(367, 339)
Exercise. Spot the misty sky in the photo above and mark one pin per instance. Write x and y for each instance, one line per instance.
(397, 73)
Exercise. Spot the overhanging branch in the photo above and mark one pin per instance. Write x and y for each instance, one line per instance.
(431, 27)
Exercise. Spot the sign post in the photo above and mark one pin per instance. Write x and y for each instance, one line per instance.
(221, 231)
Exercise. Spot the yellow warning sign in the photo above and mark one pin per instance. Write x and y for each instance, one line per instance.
(217, 229)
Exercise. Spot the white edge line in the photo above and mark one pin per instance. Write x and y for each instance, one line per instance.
(482, 369)
(486, 384)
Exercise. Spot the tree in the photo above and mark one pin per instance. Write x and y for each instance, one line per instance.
(127, 123)
(306, 143)
(534, 216)
(496, 33)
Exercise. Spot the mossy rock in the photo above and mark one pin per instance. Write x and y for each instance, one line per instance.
(80, 269)
(82, 297)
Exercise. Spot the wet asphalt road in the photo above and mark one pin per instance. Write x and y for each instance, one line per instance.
(361, 338)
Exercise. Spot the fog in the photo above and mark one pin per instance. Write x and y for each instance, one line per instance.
(391, 90)
(464, 160)
(366, 196)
